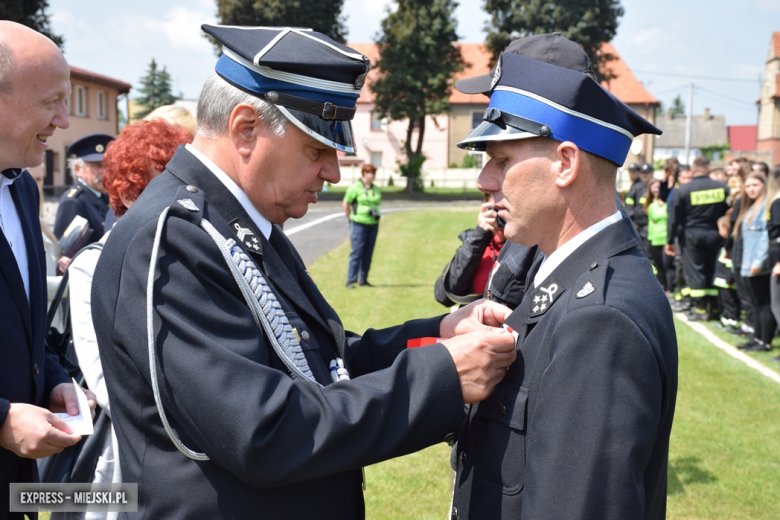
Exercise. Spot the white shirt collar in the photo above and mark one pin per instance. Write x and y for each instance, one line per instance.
(90, 188)
(550, 263)
(260, 221)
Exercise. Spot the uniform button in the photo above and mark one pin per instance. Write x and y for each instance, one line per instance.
(192, 189)
(463, 458)
(449, 439)
(305, 335)
(454, 515)
(35, 368)
(502, 409)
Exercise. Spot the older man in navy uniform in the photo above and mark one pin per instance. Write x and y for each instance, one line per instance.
(580, 426)
(236, 392)
(87, 197)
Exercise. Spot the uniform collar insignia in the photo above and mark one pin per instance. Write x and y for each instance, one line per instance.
(246, 236)
(188, 204)
(587, 289)
(543, 298)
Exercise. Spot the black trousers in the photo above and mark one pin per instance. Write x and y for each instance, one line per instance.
(744, 298)
(664, 266)
(760, 297)
(698, 262)
(774, 290)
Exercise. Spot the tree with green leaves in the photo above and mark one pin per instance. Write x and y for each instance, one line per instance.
(587, 22)
(678, 107)
(417, 59)
(31, 13)
(155, 90)
(321, 15)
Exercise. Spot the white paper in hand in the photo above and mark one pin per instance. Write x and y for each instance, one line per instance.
(81, 424)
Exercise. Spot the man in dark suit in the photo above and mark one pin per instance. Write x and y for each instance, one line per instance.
(34, 81)
(225, 349)
(580, 426)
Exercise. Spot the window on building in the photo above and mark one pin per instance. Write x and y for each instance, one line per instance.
(479, 157)
(101, 105)
(81, 100)
(376, 159)
(476, 118)
(67, 104)
(376, 121)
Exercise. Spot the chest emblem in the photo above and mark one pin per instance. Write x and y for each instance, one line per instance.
(587, 289)
(543, 298)
(246, 236)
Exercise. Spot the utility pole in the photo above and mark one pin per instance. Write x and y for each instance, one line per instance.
(688, 125)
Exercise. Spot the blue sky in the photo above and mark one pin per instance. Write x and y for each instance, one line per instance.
(684, 40)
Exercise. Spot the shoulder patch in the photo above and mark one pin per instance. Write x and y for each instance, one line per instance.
(73, 191)
(586, 290)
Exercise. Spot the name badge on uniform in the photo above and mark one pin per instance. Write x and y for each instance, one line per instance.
(543, 297)
(246, 236)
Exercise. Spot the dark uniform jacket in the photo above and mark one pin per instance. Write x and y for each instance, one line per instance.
(80, 200)
(635, 202)
(580, 426)
(279, 448)
(28, 370)
(697, 205)
(773, 230)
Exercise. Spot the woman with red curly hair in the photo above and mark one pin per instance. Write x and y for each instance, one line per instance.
(131, 161)
(138, 155)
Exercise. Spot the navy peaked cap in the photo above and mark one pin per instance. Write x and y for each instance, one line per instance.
(530, 98)
(314, 80)
(91, 147)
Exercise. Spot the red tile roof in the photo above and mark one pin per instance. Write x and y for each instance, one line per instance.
(92, 77)
(742, 138)
(625, 86)
(776, 44)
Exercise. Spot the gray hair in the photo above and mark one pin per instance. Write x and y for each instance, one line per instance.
(76, 161)
(6, 67)
(218, 99)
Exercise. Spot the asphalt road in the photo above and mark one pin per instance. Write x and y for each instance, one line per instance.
(325, 226)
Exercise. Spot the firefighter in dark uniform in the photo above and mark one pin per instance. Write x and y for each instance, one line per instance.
(693, 220)
(638, 195)
(235, 390)
(632, 195)
(87, 197)
(580, 426)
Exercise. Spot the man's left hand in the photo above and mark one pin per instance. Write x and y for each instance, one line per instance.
(479, 315)
(63, 399)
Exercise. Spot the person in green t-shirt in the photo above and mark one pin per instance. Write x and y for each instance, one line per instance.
(361, 205)
(655, 208)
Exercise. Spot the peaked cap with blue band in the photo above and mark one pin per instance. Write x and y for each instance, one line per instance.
(531, 98)
(313, 80)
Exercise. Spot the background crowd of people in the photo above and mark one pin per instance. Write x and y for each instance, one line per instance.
(711, 234)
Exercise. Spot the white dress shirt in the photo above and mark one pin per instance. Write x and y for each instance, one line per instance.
(559, 255)
(12, 230)
(260, 221)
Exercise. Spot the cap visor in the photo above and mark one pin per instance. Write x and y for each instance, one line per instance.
(336, 134)
(475, 85)
(93, 157)
(488, 132)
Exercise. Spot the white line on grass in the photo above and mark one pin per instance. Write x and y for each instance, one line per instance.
(728, 349)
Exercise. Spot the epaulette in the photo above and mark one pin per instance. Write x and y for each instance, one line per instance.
(188, 204)
(73, 191)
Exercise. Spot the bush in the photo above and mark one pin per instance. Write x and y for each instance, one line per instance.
(469, 161)
(390, 181)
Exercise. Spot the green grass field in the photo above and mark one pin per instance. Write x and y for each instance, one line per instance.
(725, 447)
